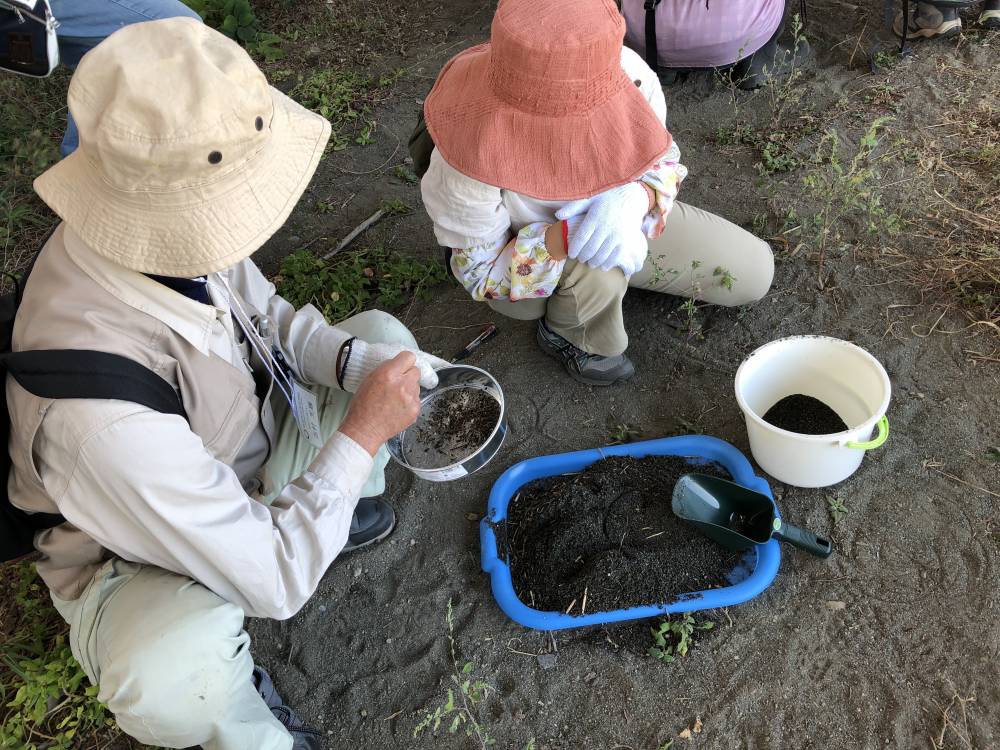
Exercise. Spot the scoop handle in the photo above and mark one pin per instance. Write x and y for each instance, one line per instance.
(804, 539)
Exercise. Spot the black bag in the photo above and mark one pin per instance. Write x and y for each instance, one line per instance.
(63, 373)
(28, 42)
(420, 146)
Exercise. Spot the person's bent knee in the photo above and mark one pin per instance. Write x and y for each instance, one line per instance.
(172, 689)
(752, 280)
(761, 276)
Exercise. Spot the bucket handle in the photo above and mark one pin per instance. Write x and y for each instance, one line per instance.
(883, 435)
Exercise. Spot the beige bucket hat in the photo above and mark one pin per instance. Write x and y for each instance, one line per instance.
(188, 161)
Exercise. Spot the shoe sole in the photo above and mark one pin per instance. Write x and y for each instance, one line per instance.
(370, 542)
(944, 31)
(552, 351)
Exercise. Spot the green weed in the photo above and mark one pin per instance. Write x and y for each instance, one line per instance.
(837, 509)
(406, 174)
(674, 638)
(237, 20)
(725, 276)
(345, 99)
(45, 698)
(622, 432)
(460, 709)
(849, 188)
(353, 280)
(776, 157)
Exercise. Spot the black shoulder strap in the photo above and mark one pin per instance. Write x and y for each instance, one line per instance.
(80, 373)
(652, 54)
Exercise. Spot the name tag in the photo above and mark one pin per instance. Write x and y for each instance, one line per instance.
(305, 409)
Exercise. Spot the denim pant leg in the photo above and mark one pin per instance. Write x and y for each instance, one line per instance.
(83, 24)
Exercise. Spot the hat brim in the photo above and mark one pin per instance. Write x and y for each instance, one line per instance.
(194, 231)
(550, 157)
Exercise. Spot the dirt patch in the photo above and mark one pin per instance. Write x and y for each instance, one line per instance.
(456, 424)
(608, 535)
(805, 415)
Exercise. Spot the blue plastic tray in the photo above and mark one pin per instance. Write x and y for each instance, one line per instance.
(749, 578)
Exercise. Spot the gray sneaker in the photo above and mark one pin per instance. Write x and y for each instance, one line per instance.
(990, 18)
(930, 21)
(591, 369)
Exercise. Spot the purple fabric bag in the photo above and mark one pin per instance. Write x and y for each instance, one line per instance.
(703, 34)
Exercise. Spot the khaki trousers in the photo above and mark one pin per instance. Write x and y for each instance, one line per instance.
(699, 255)
(171, 658)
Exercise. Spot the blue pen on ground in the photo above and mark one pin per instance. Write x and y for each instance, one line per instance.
(485, 335)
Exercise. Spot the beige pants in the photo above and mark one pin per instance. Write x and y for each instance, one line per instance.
(699, 255)
(171, 658)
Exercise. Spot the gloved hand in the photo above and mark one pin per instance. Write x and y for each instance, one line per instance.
(366, 357)
(627, 250)
(608, 217)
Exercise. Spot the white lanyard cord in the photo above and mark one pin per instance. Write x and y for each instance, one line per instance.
(277, 374)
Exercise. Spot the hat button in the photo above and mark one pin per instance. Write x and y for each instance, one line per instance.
(215, 157)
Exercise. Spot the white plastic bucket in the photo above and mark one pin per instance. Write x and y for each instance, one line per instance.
(843, 376)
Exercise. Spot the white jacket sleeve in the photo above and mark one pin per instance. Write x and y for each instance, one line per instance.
(143, 486)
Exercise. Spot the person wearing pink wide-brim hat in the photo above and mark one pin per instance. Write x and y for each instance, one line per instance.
(553, 182)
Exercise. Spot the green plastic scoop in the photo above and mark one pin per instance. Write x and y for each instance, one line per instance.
(736, 517)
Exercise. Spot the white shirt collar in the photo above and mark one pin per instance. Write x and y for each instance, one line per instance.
(191, 320)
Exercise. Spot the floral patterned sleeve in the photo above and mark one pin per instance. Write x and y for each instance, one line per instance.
(664, 177)
(506, 270)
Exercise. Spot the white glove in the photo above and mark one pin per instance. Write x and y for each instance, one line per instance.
(366, 357)
(607, 218)
(627, 250)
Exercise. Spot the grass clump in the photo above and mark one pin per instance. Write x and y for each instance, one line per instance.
(46, 700)
(353, 280)
(346, 99)
(29, 144)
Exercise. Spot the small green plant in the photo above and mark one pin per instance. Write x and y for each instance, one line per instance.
(735, 135)
(396, 207)
(406, 174)
(460, 708)
(622, 432)
(674, 638)
(236, 19)
(342, 97)
(775, 157)
(353, 280)
(848, 188)
(837, 508)
(886, 59)
(725, 277)
(345, 99)
(45, 698)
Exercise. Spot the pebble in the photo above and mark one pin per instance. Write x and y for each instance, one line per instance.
(547, 661)
(364, 714)
(835, 606)
(357, 572)
(590, 677)
(413, 542)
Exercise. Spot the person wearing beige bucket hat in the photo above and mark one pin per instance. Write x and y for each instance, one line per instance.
(176, 529)
(553, 179)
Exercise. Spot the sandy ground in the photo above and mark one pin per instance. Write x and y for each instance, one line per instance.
(868, 649)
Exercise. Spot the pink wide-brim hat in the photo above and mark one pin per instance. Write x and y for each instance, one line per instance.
(544, 108)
